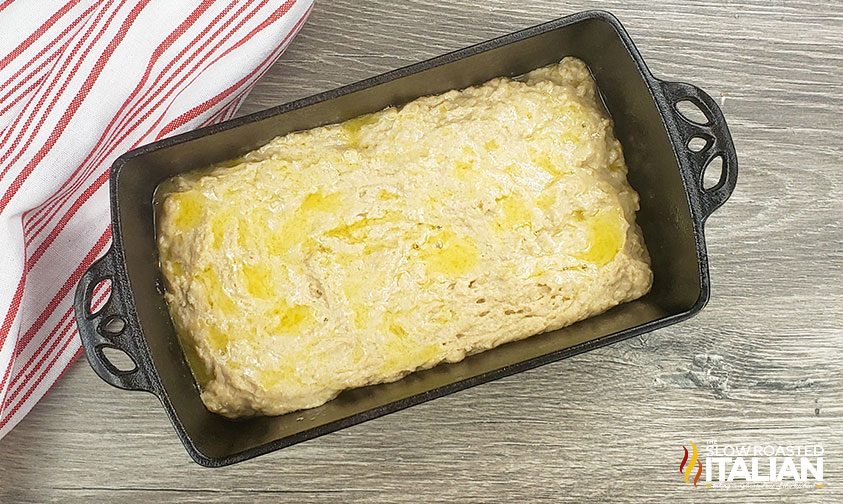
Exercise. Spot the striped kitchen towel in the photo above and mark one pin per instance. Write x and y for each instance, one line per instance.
(81, 82)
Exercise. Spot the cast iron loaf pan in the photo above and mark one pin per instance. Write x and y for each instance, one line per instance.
(667, 174)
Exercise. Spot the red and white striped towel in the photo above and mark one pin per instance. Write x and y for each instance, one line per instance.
(81, 82)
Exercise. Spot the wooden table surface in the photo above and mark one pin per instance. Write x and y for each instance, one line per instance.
(761, 364)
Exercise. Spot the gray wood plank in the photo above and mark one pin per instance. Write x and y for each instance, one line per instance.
(762, 363)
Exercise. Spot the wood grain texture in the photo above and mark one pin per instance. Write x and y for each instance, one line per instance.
(762, 363)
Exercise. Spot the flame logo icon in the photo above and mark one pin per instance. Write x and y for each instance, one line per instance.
(686, 467)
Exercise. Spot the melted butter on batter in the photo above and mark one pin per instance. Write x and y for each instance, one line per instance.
(400, 348)
(544, 162)
(514, 213)
(449, 254)
(243, 237)
(258, 280)
(358, 231)
(215, 294)
(386, 195)
(605, 237)
(352, 254)
(299, 228)
(217, 338)
(219, 223)
(319, 202)
(353, 289)
(173, 268)
(190, 207)
(271, 378)
(546, 200)
(464, 170)
(290, 319)
(353, 127)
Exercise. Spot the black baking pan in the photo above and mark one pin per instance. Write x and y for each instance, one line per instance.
(664, 170)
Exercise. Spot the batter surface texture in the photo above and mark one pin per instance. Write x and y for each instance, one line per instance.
(356, 253)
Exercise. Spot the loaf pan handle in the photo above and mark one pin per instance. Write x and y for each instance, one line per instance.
(718, 143)
(109, 327)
